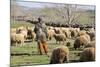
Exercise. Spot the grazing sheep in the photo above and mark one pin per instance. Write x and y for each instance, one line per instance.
(90, 29)
(82, 32)
(91, 44)
(91, 34)
(60, 55)
(31, 34)
(57, 30)
(17, 38)
(74, 32)
(82, 40)
(22, 30)
(50, 34)
(67, 32)
(60, 37)
(88, 54)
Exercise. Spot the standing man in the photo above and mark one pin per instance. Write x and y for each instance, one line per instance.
(41, 36)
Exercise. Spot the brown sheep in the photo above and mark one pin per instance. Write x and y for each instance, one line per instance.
(82, 40)
(60, 37)
(91, 34)
(30, 34)
(60, 55)
(88, 54)
(74, 32)
(91, 44)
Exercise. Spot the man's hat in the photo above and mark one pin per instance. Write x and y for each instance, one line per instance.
(39, 19)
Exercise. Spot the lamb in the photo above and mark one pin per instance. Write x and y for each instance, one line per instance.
(60, 37)
(88, 54)
(60, 55)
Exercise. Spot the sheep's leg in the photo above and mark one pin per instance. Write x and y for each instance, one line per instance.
(67, 58)
(59, 42)
(21, 44)
(56, 41)
(61, 59)
(63, 42)
(16, 43)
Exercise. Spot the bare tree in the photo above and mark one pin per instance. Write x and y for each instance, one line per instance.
(69, 12)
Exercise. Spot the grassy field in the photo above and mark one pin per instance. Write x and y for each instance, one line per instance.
(27, 54)
(16, 24)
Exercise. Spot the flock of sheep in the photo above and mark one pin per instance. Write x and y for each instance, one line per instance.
(84, 39)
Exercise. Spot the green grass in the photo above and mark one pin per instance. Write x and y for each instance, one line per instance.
(16, 24)
(27, 54)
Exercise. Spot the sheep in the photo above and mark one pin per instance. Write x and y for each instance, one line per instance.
(31, 34)
(91, 44)
(23, 31)
(91, 34)
(60, 37)
(87, 36)
(60, 55)
(21, 28)
(17, 38)
(57, 30)
(88, 54)
(50, 33)
(82, 40)
(74, 32)
(67, 32)
(82, 32)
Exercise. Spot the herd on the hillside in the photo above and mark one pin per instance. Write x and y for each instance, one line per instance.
(84, 38)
